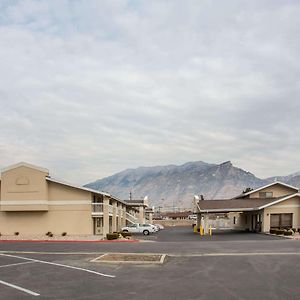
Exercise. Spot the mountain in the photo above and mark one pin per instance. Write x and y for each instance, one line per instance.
(176, 185)
(292, 179)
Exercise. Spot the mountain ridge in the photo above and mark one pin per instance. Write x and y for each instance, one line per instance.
(177, 184)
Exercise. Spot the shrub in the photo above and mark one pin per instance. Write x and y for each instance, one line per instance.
(50, 234)
(64, 234)
(273, 230)
(125, 234)
(112, 236)
(294, 230)
(279, 231)
(288, 232)
(298, 230)
(16, 233)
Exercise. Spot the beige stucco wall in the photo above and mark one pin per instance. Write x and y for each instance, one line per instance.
(58, 191)
(70, 210)
(288, 206)
(76, 221)
(24, 184)
(33, 204)
(245, 219)
(277, 189)
(72, 218)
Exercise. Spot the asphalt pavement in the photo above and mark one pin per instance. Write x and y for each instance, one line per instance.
(230, 265)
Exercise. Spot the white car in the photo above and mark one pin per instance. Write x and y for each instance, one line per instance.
(145, 229)
(192, 217)
(159, 226)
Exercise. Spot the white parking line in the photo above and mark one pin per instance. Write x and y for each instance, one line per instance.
(19, 288)
(17, 264)
(97, 258)
(236, 254)
(52, 253)
(59, 265)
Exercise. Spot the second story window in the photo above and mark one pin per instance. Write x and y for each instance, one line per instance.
(265, 194)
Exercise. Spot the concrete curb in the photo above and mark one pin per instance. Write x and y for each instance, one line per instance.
(291, 237)
(134, 262)
(69, 241)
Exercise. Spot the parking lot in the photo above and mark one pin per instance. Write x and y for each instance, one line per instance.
(230, 265)
(186, 234)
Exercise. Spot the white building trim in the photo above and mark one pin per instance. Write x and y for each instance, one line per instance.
(85, 189)
(24, 164)
(45, 202)
(266, 186)
(280, 200)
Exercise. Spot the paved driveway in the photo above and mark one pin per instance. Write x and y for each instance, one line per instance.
(229, 265)
(186, 234)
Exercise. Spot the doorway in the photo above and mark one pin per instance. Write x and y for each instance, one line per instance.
(98, 226)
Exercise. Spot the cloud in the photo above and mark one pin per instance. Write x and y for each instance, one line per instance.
(88, 88)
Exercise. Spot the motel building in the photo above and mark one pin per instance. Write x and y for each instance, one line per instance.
(276, 205)
(32, 202)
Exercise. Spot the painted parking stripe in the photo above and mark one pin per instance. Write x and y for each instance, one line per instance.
(59, 265)
(19, 288)
(52, 253)
(236, 254)
(17, 264)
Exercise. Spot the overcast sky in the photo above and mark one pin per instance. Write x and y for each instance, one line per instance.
(89, 88)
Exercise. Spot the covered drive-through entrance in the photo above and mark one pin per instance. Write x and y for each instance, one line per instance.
(241, 220)
(276, 205)
(245, 214)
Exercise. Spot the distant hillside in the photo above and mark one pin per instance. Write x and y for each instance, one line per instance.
(176, 185)
(292, 179)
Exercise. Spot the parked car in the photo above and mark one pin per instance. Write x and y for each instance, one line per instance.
(159, 226)
(192, 217)
(154, 227)
(145, 229)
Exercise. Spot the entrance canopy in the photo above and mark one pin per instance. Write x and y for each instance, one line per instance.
(233, 205)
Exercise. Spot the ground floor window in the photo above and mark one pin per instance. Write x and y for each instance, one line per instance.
(281, 220)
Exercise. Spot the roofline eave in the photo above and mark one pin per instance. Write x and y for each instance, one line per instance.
(266, 186)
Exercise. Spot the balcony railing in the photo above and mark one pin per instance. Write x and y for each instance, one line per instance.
(97, 207)
(131, 218)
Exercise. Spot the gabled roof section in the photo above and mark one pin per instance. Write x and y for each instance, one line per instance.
(231, 205)
(76, 186)
(266, 186)
(280, 200)
(240, 205)
(83, 188)
(27, 165)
